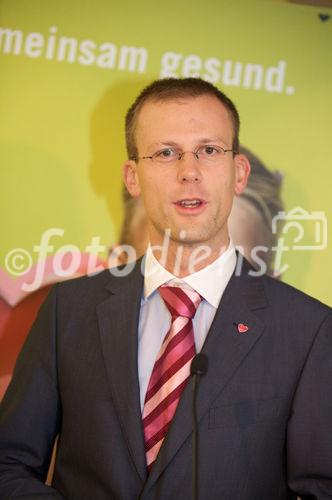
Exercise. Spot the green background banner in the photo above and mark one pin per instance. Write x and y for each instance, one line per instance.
(69, 71)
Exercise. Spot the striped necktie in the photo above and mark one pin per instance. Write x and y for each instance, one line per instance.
(171, 370)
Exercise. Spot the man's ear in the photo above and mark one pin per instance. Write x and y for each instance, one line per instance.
(242, 171)
(130, 178)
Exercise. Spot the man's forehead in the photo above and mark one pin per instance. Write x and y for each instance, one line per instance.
(157, 109)
(161, 103)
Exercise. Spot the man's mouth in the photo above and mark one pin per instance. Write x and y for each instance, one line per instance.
(194, 203)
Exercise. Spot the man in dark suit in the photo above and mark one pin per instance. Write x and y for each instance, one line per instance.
(106, 365)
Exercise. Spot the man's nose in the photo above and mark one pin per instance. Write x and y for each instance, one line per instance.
(188, 167)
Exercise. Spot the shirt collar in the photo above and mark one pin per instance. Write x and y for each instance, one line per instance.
(210, 282)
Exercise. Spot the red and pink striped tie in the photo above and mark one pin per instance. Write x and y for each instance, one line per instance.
(171, 370)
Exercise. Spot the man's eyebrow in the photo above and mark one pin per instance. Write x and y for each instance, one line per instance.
(165, 144)
(203, 140)
(211, 140)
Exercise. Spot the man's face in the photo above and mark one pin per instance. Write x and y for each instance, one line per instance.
(186, 197)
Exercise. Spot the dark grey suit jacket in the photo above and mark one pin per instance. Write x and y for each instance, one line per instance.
(264, 407)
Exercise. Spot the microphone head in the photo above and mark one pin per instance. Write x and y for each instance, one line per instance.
(199, 364)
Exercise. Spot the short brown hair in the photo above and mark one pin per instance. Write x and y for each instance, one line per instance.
(177, 88)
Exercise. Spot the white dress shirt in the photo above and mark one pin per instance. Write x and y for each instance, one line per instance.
(155, 319)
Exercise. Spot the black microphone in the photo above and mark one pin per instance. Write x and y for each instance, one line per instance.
(199, 364)
(198, 367)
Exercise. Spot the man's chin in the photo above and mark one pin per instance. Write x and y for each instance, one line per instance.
(190, 237)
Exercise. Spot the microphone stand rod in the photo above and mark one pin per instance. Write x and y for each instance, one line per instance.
(195, 440)
(198, 368)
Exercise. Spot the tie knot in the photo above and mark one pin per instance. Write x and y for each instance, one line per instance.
(180, 301)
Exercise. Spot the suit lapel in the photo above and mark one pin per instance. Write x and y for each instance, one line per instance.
(226, 349)
(118, 318)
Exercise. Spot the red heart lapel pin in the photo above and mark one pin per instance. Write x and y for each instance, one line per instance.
(242, 328)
